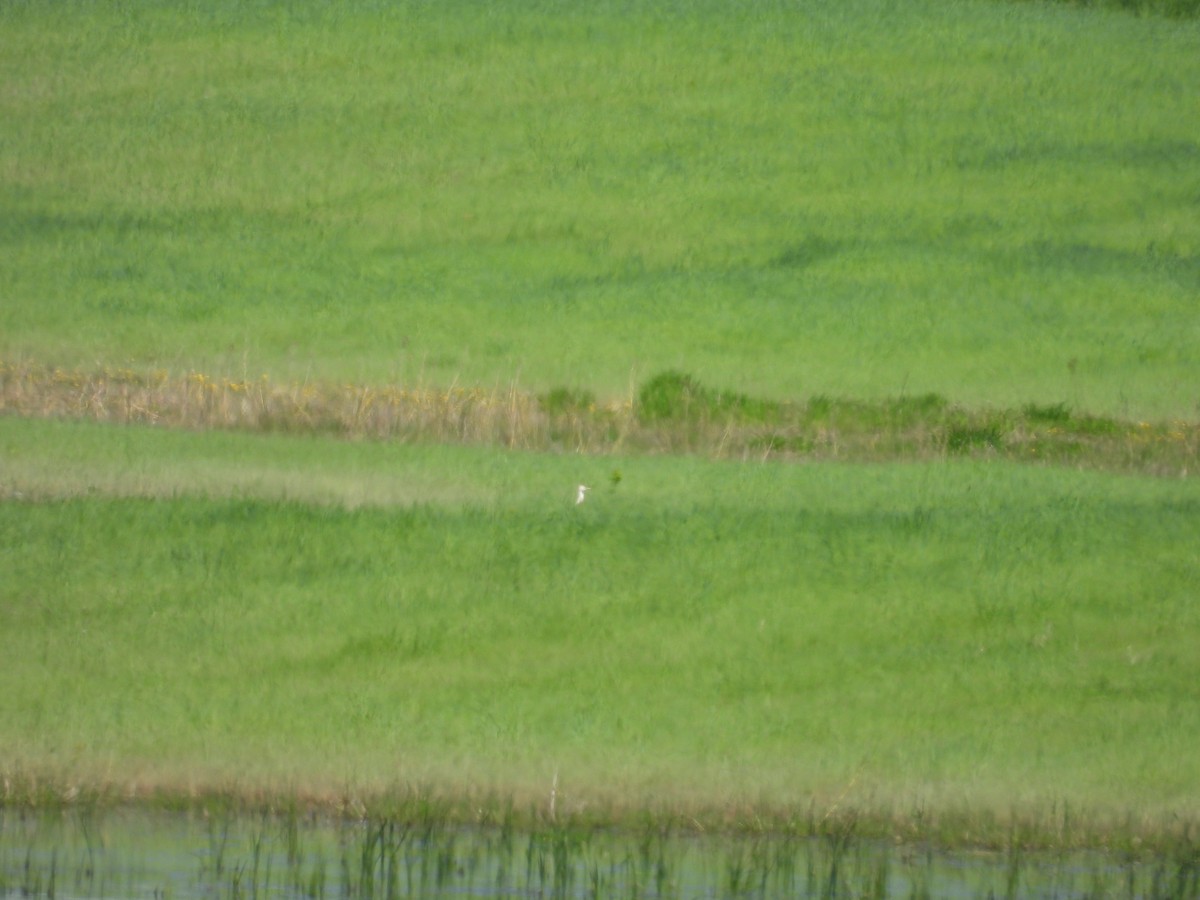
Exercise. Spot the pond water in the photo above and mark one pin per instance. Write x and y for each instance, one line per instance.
(133, 853)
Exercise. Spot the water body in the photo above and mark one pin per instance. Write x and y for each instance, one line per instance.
(135, 853)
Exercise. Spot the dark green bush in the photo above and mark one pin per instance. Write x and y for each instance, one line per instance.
(672, 395)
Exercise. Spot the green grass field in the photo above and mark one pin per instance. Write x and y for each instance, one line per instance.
(329, 615)
(990, 201)
(973, 223)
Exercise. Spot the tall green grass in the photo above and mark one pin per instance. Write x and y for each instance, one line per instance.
(990, 201)
(899, 638)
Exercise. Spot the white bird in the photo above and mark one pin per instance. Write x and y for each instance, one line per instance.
(580, 496)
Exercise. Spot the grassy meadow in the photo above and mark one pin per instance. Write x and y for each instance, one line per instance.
(182, 611)
(313, 317)
(990, 201)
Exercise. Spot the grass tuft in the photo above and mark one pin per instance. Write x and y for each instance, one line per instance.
(970, 439)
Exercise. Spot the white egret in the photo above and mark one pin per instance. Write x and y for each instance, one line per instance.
(580, 496)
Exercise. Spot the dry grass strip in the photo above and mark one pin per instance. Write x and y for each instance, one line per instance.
(701, 422)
